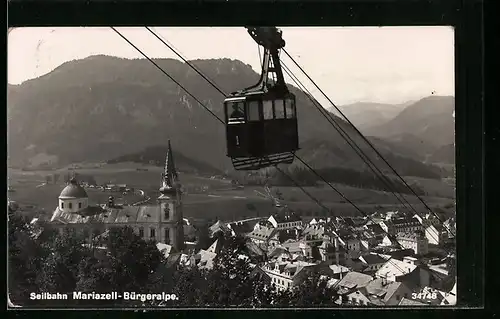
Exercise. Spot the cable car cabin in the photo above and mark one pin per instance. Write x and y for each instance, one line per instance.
(261, 129)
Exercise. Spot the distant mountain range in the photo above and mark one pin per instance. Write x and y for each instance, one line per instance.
(366, 114)
(106, 108)
(426, 126)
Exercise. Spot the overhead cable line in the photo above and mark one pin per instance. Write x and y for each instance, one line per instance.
(211, 82)
(349, 141)
(365, 158)
(224, 94)
(197, 100)
(186, 61)
(367, 141)
(378, 173)
(307, 193)
(168, 75)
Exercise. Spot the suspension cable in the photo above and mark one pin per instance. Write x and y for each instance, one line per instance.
(220, 91)
(348, 139)
(393, 239)
(186, 61)
(351, 143)
(367, 141)
(168, 75)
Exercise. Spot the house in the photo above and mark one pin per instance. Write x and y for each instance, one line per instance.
(219, 229)
(285, 219)
(408, 271)
(403, 225)
(165, 249)
(381, 292)
(313, 233)
(265, 236)
(287, 274)
(352, 244)
(436, 234)
(391, 215)
(330, 253)
(241, 228)
(216, 246)
(372, 262)
(376, 230)
(298, 248)
(389, 252)
(281, 253)
(415, 241)
(335, 271)
(387, 241)
(288, 234)
(357, 298)
(351, 282)
(203, 259)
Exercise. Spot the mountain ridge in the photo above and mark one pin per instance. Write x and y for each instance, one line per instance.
(102, 107)
(426, 126)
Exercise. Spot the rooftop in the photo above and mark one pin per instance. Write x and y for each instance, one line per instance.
(73, 190)
(116, 215)
(372, 259)
(289, 268)
(262, 233)
(406, 221)
(410, 236)
(354, 280)
(286, 217)
(395, 267)
(382, 289)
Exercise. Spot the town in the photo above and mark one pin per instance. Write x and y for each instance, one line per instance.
(381, 259)
(278, 196)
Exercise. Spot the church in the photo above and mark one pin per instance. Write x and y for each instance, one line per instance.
(162, 222)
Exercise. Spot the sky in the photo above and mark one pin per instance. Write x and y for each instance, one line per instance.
(350, 64)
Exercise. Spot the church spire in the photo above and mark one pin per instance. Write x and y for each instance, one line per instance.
(169, 176)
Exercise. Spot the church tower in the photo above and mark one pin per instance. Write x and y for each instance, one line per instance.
(170, 202)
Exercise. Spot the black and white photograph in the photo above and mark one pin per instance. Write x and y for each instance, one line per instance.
(216, 167)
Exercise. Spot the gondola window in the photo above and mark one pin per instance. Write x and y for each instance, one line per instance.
(268, 110)
(279, 109)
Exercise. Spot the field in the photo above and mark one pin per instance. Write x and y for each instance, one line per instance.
(211, 199)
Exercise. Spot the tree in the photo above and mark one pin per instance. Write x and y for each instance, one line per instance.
(132, 258)
(59, 272)
(230, 282)
(203, 240)
(25, 258)
(313, 291)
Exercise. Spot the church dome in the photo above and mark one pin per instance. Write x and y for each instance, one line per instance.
(73, 190)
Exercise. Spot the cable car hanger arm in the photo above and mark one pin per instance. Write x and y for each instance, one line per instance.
(270, 38)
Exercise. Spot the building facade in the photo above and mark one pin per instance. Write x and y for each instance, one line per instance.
(163, 222)
(415, 241)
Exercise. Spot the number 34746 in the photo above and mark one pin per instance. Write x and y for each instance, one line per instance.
(424, 295)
